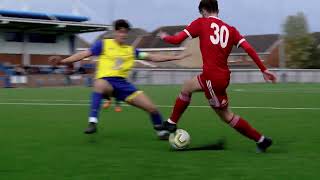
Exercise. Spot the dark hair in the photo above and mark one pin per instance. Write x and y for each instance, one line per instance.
(209, 5)
(121, 23)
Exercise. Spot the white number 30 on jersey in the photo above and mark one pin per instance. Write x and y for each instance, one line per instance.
(220, 35)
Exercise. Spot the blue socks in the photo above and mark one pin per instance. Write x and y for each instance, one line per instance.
(96, 99)
(156, 118)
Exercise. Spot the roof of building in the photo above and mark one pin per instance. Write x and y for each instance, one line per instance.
(56, 24)
(261, 43)
(43, 16)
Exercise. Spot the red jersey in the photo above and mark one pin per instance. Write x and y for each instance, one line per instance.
(216, 42)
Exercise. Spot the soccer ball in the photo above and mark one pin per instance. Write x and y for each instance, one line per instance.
(180, 139)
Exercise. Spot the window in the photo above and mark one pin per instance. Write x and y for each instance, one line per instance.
(42, 38)
(13, 36)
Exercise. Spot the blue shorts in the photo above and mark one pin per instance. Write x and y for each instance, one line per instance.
(122, 89)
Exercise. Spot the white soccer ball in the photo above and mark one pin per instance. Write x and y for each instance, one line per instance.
(180, 139)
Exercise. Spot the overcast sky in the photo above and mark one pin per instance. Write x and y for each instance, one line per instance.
(249, 16)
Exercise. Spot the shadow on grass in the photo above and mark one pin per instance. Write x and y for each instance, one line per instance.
(216, 146)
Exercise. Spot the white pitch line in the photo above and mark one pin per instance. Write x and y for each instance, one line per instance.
(44, 104)
(308, 91)
(165, 106)
(47, 100)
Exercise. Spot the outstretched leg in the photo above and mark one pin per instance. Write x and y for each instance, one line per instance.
(243, 127)
(215, 91)
(140, 100)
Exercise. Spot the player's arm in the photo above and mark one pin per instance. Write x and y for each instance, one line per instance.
(176, 39)
(160, 57)
(268, 76)
(95, 50)
(74, 58)
(254, 56)
(164, 58)
(191, 31)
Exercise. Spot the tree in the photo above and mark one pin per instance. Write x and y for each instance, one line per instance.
(315, 57)
(299, 43)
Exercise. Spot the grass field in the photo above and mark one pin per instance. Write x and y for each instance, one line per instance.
(41, 136)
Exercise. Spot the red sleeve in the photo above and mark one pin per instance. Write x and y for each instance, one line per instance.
(238, 38)
(252, 53)
(176, 39)
(193, 30)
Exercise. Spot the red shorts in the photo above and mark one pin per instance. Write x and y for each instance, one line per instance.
(215, 90)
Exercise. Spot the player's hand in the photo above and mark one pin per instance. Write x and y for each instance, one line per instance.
(55, 60)
(162, 34)
(269, 76)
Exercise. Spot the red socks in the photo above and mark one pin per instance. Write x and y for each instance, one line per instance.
(182, 102)
(243, 127)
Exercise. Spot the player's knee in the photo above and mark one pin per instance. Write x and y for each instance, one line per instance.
(97, 88)
(100, 86)
(187, 87)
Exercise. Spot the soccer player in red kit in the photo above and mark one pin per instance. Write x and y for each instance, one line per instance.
(216, 42)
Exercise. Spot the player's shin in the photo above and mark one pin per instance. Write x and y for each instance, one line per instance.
(96, 99)
(243, 127)
(182, 103)
(156, 120)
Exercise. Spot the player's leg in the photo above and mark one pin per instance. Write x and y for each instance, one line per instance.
(182, 102)
(215, 91)
(140, 100)
(243, 127)
(239, 124)
(127, 92)
(100, 88)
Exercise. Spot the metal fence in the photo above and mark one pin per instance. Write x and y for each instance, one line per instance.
(178, 76)
(161, 77)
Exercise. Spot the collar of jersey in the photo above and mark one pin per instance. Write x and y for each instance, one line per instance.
(214, 17)
(117, 44)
